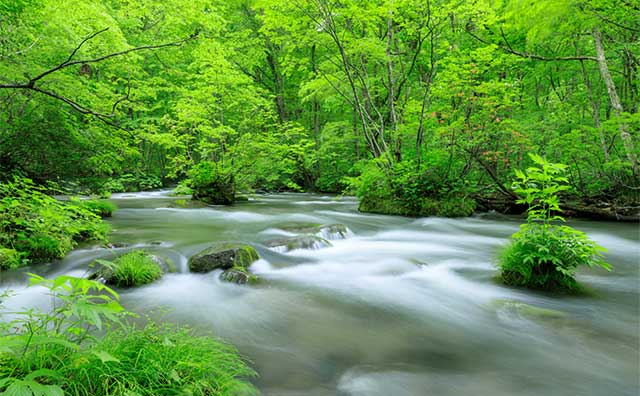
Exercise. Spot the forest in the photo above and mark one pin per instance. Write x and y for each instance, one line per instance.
(416, 108)
(401, 103)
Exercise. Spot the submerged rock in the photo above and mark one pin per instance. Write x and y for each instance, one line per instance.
(526, 310)
(283, 245)
(166, 264)
(327, 231)
(238, 275)
(115, 245)
(223, 256)
(187, 204)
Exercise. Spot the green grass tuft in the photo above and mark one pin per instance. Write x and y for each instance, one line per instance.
(134, 269)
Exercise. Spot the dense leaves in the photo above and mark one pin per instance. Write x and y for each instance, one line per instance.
(543, 255)
(89, 345)
(36, 227)
(445, 98)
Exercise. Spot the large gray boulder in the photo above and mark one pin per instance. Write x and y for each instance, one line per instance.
(223, 256)
(283, 245)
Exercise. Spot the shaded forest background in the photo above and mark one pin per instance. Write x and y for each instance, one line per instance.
(418, 107)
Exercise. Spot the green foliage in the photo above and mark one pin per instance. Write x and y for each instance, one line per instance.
(402, 190)
(543, 255)
(131, 269)
(9, 259)
(212, 183)
(40, 227)
(287, 96)
(87, 345)
(539, 188)
(182, 189)
(102, 208)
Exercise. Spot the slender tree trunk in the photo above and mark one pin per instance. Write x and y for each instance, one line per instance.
(595, 111)
(626, 138)
(393, 117)
(315, 104)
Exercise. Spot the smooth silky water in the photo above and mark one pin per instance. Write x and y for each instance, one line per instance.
(404, 306)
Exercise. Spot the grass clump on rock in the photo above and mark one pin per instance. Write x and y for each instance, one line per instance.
(132, 269)
(543, 255)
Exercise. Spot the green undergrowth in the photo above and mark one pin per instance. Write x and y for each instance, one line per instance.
(131, 269)
(403, 190)
(100, 207)
(89, 345)
(35, 227)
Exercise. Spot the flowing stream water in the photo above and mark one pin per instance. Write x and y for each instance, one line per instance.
(402, 307)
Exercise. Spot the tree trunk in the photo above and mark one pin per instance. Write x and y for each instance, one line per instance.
(393, 117)
(595, 111)
(627, 141)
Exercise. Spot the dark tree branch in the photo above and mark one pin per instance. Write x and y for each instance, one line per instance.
(31, 84)
(506, 47)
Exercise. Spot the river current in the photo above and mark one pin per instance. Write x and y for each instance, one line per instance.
(402, 307)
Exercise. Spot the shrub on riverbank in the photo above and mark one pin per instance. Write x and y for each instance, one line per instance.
(543, 255)
(212, 183)
(401, 190)
(39, 227)
(100, 207)
(61, 352)
(132, 269)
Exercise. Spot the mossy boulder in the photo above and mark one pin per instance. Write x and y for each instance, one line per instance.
(223, 256)
(239, 275)
(283, 245)
(526, 310)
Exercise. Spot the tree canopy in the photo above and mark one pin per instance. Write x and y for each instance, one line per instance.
(405, 99)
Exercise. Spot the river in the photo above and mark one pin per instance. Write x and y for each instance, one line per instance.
(403, 307)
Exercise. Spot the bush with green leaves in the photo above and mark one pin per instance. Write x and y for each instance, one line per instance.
(101, 207)
(131, 269)
(41, 228)
(543, 255)
(212, 183)
(89, 345)
(402, 190)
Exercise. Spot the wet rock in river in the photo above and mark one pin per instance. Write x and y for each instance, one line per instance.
(238, 275)
(327, 231)
(115, 245)
(283, 245)
(223, 256)
(526, 310)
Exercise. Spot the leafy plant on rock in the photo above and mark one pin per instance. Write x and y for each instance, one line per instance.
(543, 255)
